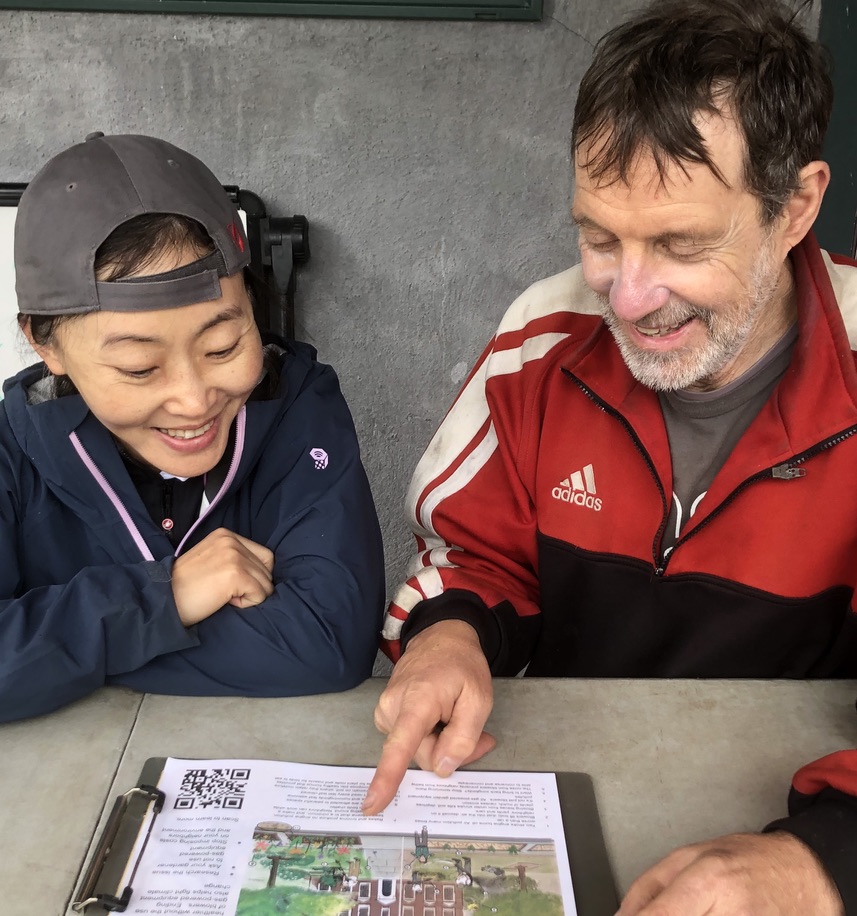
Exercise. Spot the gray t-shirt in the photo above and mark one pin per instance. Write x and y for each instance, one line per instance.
(703, 428)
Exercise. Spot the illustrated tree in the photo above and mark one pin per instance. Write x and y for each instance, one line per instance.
(275, 867)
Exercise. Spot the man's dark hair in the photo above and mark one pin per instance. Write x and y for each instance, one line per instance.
(748, 59)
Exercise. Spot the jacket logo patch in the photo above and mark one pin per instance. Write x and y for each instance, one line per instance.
(579, 489)
(319, 456)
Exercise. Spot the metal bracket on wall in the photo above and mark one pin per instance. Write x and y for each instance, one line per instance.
(278, 244)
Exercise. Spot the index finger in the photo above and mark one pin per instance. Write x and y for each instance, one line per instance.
(411, 728)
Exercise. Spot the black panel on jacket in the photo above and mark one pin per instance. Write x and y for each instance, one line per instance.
(610, 616)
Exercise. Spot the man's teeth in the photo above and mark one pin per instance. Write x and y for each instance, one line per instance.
(660, 332)
(188, 433)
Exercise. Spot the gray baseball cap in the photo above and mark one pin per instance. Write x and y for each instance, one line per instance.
(84, 193)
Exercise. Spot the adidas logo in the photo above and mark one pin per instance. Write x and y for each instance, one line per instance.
(579, 488)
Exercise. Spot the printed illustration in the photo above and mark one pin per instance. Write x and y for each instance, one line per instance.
(292, 873)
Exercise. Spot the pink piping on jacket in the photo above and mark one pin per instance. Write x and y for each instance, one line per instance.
(125, 515)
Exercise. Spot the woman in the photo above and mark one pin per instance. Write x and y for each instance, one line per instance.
(182, 506)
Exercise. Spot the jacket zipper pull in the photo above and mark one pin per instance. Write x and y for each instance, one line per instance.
(168, 524)
(784, 472)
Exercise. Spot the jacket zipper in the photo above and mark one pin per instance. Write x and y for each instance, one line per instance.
(660, 565)
(788, 470)
(125, 515)
(237, 452)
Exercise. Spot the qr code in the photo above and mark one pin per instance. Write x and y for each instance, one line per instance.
(215, 788)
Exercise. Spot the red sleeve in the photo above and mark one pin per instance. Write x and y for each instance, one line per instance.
(823, 814)
(470, 501)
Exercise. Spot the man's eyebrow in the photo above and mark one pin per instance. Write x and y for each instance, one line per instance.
(586, 222)
(689, 236)
(232, 313)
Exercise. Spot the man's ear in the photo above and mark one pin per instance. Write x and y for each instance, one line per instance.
(49, 354)
(803, 206)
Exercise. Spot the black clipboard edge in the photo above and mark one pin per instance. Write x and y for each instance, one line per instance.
(594, 885)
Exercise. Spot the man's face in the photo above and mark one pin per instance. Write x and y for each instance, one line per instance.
(694, 288)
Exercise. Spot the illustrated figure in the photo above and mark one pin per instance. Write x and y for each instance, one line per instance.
(421, 847)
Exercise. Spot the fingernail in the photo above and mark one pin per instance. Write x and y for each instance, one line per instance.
(447, 766)
(368, 801)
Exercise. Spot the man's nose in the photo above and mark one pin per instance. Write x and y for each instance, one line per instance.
(636, 290)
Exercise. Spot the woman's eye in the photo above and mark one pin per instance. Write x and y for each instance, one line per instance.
(220, 354)
(137, 373)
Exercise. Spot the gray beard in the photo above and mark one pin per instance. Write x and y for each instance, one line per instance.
(686, 367)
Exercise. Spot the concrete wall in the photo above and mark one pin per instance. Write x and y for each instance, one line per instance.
(431, 159)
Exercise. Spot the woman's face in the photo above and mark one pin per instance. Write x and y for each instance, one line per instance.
(167, 383)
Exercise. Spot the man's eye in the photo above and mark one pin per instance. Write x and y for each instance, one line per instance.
(682, 249)
(686, 252)
(602, 245)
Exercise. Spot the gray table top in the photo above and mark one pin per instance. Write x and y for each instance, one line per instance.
(672, 761)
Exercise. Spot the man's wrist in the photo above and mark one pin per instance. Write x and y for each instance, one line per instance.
(455, 605)
(458, 630)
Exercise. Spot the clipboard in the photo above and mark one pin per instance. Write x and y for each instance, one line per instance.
(107, 883)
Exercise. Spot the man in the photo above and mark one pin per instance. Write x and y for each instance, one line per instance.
(648, 472)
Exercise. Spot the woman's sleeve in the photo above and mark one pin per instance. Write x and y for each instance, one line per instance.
(60, 642)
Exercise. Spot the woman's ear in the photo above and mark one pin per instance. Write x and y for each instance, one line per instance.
(49, 353)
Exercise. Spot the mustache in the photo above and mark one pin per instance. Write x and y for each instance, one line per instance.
(675, 312)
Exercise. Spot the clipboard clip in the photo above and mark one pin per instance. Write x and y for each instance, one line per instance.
(107, 884)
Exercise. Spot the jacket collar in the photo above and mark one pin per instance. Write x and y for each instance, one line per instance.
(814, 401)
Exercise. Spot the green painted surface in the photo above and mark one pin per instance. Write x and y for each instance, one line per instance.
(838, 32)
(524, 10)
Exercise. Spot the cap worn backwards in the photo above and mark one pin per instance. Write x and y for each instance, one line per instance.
(90, 189)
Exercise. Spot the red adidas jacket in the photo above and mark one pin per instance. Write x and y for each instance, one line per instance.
(540, 505)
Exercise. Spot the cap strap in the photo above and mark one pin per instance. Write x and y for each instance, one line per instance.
(195, 282)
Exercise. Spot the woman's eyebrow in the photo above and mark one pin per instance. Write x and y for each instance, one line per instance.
(232, 313)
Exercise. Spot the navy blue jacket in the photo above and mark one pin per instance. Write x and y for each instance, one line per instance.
(85, 594)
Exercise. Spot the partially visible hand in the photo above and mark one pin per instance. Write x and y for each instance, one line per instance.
(223, 568)
(772, 874)
(442, 677)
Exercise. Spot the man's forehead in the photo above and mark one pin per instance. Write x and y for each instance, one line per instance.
(659, 176)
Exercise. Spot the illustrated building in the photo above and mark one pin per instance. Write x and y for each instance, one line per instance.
(391, 897)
